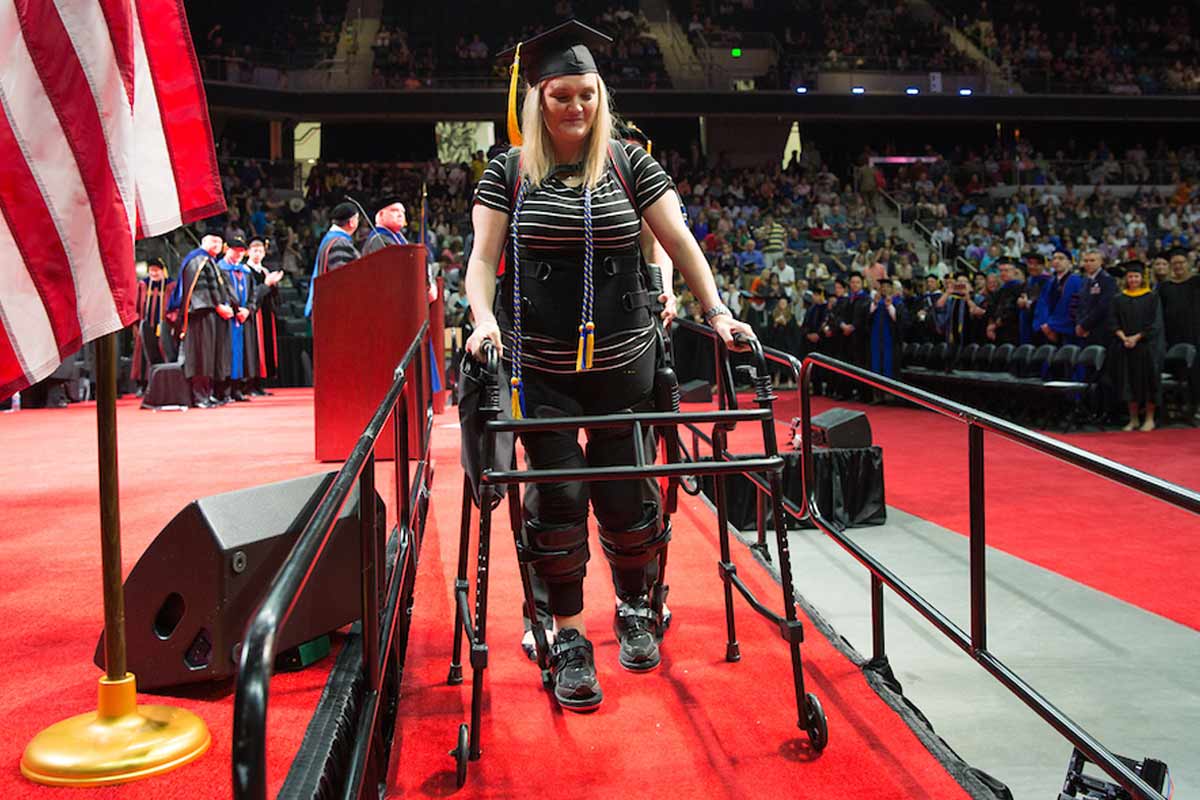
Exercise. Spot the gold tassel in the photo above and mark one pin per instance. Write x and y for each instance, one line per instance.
(515, 395)
(579, 353)
(591, 344)
(514, 125)
(649, 147)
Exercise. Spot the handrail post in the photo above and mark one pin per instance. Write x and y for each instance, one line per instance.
(878, 648)
(978, 542)
(369, 553)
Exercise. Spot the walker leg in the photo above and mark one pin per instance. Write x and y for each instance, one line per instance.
(732, 650)
(460, 584)
(810, 715)
(479, 648)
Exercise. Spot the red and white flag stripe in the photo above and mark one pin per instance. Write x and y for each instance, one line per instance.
(104, 137)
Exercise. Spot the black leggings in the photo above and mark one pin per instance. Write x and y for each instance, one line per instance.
(627, 512)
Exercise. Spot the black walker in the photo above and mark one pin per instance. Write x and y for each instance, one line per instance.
(811, 716)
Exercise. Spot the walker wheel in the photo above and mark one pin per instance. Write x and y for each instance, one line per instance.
(461, 753)
(815, 723)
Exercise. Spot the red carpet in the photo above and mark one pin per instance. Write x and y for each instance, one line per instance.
(696, 727)
(50, 566)
(1042, 510)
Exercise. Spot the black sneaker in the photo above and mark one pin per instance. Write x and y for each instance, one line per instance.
(574, 669)
(635, 630)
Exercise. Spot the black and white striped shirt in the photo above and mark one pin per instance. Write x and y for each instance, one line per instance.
(552, 214)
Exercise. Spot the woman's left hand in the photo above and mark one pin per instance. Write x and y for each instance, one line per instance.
(726, 326)
(670, 308)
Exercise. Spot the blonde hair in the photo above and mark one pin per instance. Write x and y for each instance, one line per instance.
(537, 152)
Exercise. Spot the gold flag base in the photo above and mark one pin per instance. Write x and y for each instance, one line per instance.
(119, 742)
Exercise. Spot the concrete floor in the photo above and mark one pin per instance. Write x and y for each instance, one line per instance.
(1130, 678)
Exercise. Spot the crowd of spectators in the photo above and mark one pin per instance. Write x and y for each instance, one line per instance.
(1117, 47)
(406, 59)
(827, 35)
(781, 239)
(306, 33)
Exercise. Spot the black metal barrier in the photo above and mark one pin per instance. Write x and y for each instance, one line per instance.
(977, 422)
(975, 644)
(383, 647)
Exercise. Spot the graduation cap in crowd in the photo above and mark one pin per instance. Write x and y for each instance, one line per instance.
(1065, 252)
(1176, 251)
(562, 50)
(1034, 256)
(157, 262)
(236, 243)
(261, 240)
(342, 212)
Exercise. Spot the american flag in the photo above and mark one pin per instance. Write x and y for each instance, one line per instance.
(104, 138)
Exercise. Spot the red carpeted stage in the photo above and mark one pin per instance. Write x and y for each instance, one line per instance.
(696, 727)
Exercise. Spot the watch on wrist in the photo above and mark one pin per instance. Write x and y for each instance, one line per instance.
(716, 311)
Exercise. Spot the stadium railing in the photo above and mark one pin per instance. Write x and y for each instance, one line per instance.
(977, 422)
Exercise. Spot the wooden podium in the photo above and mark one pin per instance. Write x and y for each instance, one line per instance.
(364, 317)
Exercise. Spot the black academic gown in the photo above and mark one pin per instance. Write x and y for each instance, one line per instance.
(1136, 373)
(153, 342)
(1005, 314)
(857, 343)
(204, 336)
(264, 320)
(1181, 321)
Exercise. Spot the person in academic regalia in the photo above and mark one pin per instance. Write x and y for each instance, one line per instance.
(953, 311)
(243, 341)
(203, 303)
(153, 341)
(886, 319)
(926, 311)
(1093, 315)
(783, 334)
(390, 220)
(856, 324)
(264, 316)
(1004, 319)
(834, 342)
(336, 248)
(1179, 293)
(1036, 282)
(1054, 311)
(1136, 354)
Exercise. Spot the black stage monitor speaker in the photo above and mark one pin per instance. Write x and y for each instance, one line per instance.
(192, 593)
(841, 428)
(696, 392)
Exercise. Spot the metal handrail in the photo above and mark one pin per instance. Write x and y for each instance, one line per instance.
(975, 644)
(257, 660)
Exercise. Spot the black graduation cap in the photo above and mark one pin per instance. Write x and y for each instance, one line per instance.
(1176, 251)
(1034, 256)
(1133, 265)
(157, 262)
(236, 243)
(562, 50)
(261, 240)
(1065, 252)
(390, 199)
(343, 211)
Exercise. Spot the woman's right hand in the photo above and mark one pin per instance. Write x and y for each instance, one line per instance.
(484, 331)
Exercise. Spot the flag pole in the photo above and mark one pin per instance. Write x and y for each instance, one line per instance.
(120, 741)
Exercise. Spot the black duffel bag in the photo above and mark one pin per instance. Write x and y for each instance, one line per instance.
(478, 398)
